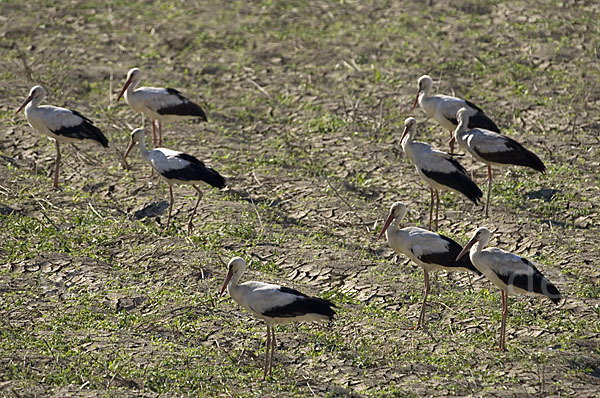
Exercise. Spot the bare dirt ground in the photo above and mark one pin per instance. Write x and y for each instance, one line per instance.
(305, 102)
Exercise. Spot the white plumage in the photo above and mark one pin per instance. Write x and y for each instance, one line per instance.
(60, 124)
(511, 273)
(176, 167)
(439, 170)
(443, 109)
(273, 303)
(492, 148)
(158, 104)
(431, 251)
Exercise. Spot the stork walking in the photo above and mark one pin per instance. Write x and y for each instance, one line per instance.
(439, 170)
(176, 167)
(159, 104)
(492, 148)
(274, 304)
(60, 124)
(431, 251)
(443, 109)
(511, 273)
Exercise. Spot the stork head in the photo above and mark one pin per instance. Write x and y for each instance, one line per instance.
(36, 95)
(397, 211)
(482, 235)
(133, 77)
(425, 85)
(409, 126)
(463, 115)
(236, 267)
(137, 135)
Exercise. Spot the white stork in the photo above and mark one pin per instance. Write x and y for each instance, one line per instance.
(443, 109)
(492, 148)
(60, 124)
(159, 104)
(176, 167)
(439, 170)
(431, 251)
(511, 273)
(274, 304)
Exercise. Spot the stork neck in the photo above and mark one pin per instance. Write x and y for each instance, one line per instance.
(395, 225)
(477, 247)
(408, 139)
(424, 95)
(145, 152)
(393, 230)
(233, 283)
(461, 128)
(33, 104)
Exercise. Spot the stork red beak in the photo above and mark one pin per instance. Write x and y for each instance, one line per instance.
(129, 148)
(27, 100)
(127, 83)
(227, 279)
(416, 100)
(466, 248)
(386, 225)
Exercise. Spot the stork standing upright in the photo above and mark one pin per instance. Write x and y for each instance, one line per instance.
(159, 104)
(492, 148)
(431, 251)
(511, 273)
(443, 109)
(60, 124)
(439, 170)
(176, 167)
(274, 304)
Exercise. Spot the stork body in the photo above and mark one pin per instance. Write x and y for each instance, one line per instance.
(158, 104)
(274, 304)
(493, 149)
(439, 170)
(443, 109)
(177, 167)
(511, 273)
(429, 250)
(60, 124)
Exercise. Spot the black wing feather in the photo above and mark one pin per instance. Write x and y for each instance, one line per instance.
(457, 181)
(196, 170)
(480, 119)
(519, 156)
(303, 305)
(83, 130)
(184, 108)
(535, 283)
(447, 259)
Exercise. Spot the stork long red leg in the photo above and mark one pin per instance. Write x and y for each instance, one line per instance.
(437, 208)
(487, 203)
(190, 223)
(154, 133)
(170, 206)
(57, 165)
(272, 350)
(431, 208)
(267, 352)
(159, 133)
(504, 316)
(425, 293)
